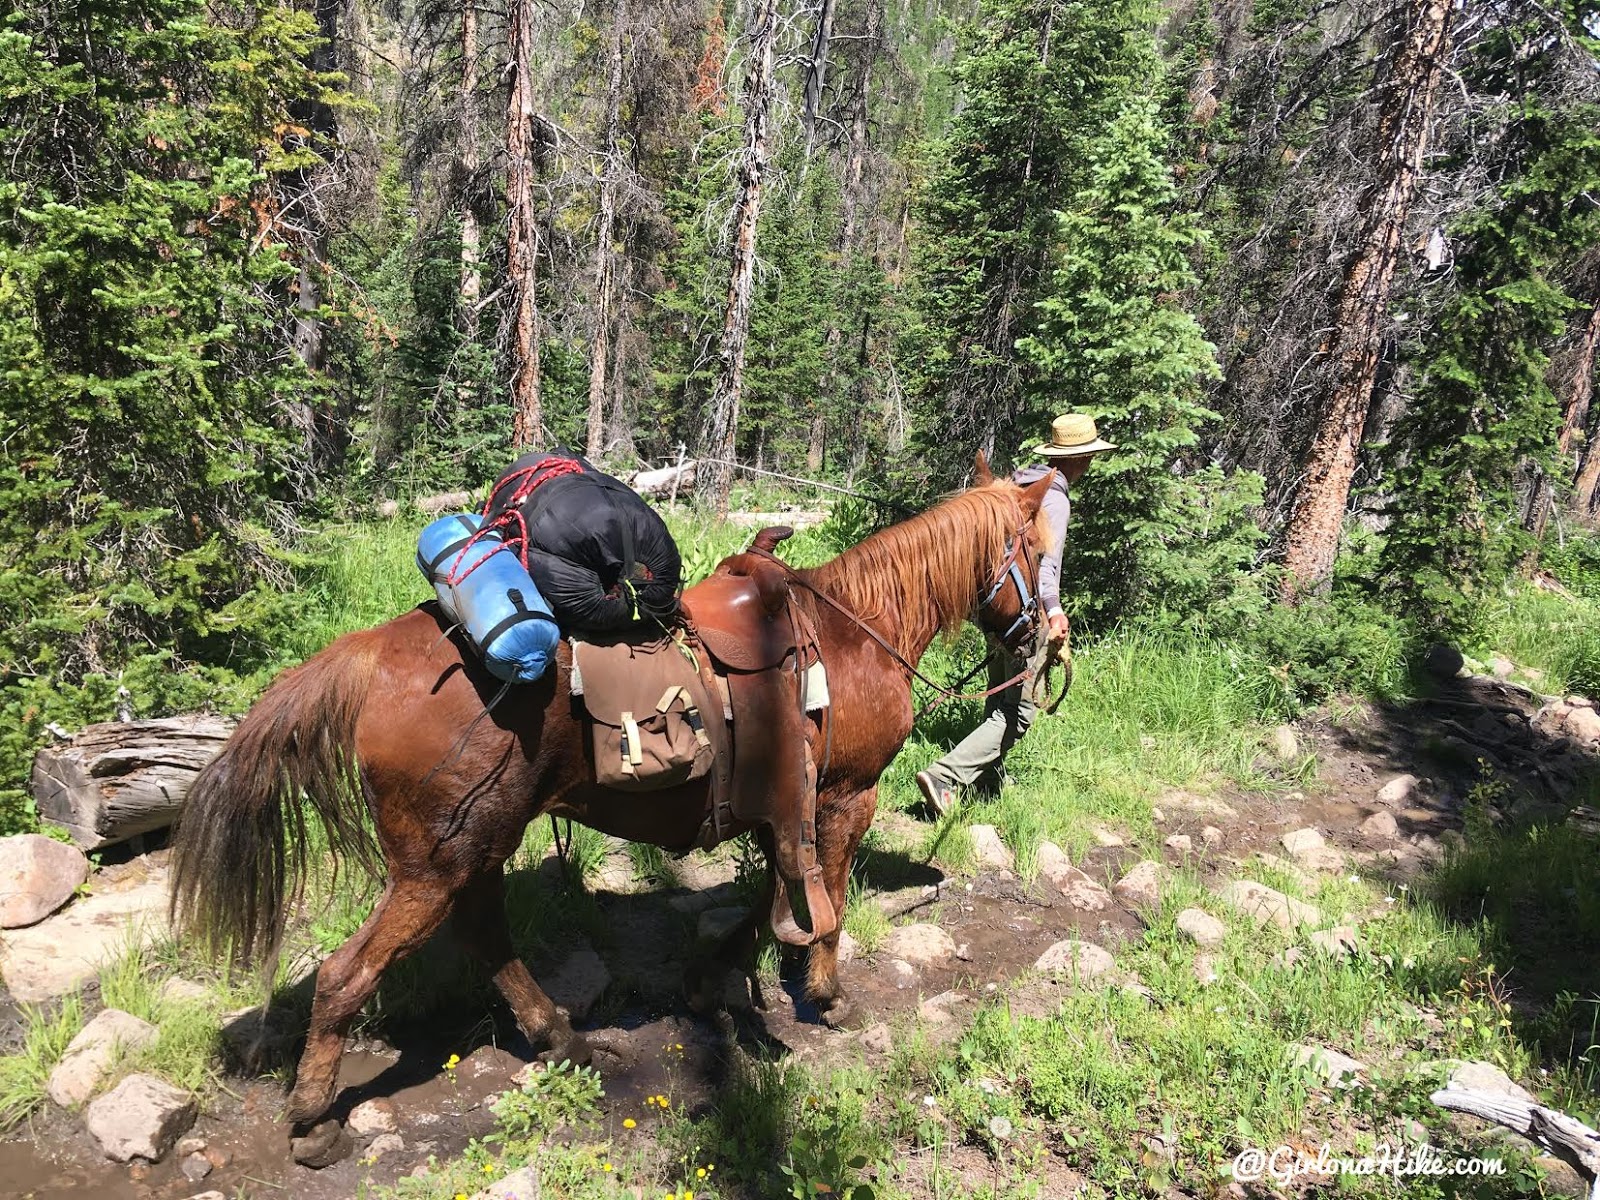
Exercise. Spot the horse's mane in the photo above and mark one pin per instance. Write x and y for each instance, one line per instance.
(927, 569)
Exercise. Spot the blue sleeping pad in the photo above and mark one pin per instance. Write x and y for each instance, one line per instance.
(498, 604)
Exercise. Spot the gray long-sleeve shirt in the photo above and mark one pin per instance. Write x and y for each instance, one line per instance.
(1057, 507)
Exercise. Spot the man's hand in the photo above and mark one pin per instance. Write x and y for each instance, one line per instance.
(1059, 629)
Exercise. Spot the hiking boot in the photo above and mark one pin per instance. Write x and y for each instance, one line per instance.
(940, 798)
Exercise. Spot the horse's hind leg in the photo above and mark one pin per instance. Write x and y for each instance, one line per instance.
(406, 915)
(480, 922)
(838, 839)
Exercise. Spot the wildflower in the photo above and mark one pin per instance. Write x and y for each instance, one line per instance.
(488, 1168)
(608, 1167)
(699, 1172)
(1355, 879)
(929, 1102)
(1000, 1127)
(451, 1063)
(629, 1123)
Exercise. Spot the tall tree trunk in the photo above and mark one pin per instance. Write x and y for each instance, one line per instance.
(601, 307)
(817, 75)
(714, 481)
(522, 230)
(1311, 541)
(1588, 481)
(468, 166)
(1574, 416)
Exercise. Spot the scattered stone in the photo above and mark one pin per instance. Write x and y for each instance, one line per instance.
(717, 923)
(186, 1146)
(1288, 958)
(1285, 744)
(519, 1185)
(1141, 885)
(1284, 867)
(141, 1117)
(902, 974)
(1203, 806)
(1158, 815)
(1211, 835)
(177, 992)
(1180, 843)
(964, 952)
(1104, 837)
(208, 1196)
(1053, 863)
(1330, 1064)
(936, 1009)
(37, 876)
(1201, 928)
(325, 1145)
(1583, 725)
(1472, 1076)
(195, 1167)
(1265, 906)
(256, 1034)
(54, 956)
(386, 1143)
(1301, 841)
(218, 1158)
(877, 1039)
(1380, 827)
(90, 1055)
(578, 982)
(1443, 661)
(1340, 941)
(1079, 960)
(990, 849)
(1501, 667)
(1205, 970)
(1084, 893)
(1398, 790)
(922, 943)
(848, 947)
(372, 1117)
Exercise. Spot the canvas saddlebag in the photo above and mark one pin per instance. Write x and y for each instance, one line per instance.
(647, 712)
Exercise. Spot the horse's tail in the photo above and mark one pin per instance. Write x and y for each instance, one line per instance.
(240, 847)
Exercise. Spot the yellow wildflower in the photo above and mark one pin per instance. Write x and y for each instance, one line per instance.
(629, 1123)
(607, 1167)
(699, 1172)
(451, 1063)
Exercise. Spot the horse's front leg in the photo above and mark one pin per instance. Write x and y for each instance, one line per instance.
(840, 828)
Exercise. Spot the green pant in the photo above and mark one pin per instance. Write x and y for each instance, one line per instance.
(1007, 717)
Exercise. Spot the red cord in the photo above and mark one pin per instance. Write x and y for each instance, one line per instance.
(530, 481)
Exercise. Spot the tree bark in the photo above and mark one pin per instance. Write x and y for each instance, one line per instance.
(468, 166)
(1574, 416)
(1588, 480)
(522, 230)
(601, 308)
(817, 76)
(715, 481)
(1311, 541)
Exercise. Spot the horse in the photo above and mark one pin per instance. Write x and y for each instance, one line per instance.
(386, 737)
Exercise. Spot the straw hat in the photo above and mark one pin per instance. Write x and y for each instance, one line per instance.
(1072, 435)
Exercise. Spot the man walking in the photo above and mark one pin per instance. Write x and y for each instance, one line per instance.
(1074, 441)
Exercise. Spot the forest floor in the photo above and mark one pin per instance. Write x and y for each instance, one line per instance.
(974, 1072)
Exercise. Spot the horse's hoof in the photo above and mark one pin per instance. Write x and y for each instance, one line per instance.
(841, 1014)
(323, 1146)
(575, 1050)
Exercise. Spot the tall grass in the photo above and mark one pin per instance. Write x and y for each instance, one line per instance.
(23, 1075)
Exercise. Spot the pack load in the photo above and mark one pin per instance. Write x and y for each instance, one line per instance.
(482, 585)
(601, 556)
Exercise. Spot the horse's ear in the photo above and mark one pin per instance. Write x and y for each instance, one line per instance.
(1033, 495)
(981, 475)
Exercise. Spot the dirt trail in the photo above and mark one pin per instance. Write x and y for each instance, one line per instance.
(651, 1044)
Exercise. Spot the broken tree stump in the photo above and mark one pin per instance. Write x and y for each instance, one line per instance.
(110, 782)
(1565, 1137)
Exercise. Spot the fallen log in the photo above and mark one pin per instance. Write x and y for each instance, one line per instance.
(1567, 1138)
(662, 480)
(111, 782)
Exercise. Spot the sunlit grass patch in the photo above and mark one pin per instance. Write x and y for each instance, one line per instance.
(24, 1074)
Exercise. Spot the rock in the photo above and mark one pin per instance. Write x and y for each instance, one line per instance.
(90, 1055)
(1283, 866)
(195, 1167)
(578, 982)
(936, 1009)
(923, 944)
(1583, 725)
(848, 947)
(1084, 893)
(1205, 971)
(1442, 661)
(186, 1146)
(1300, 841)
(1398, 790)
(386, 1143)
(208, 1196)
(1380, 827)
(1472, 1076)
(256, 1034)
(1201, 928)
(991, 851)
(902, 974)
(964, 952)
(325, 1145)
(141, 1117)
(1265, 906)
(372, 1117)
(1104, 837)
(1330, 1064)
(519, 1185)
(56, 955)
(1501, 667)
(37, 876)
(717, 923)
(1211, 835)
(217, 1158)
(1180, 843)
(180, 992)
(1053, 863)
(1201, 806)
(877, 1039)
(1288, 958)
(1158, 816)
(1340, 941)
(1284, 743)
(1141, 885)
(1079, 960)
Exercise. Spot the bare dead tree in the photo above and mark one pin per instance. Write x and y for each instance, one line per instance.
(522, 228)
(600, 317)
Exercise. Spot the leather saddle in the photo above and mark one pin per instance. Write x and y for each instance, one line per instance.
(763, 645)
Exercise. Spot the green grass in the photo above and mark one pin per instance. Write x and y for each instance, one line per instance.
(1550, 633)
(23, 1075)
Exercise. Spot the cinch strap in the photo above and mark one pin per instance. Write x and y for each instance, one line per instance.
(522, 613)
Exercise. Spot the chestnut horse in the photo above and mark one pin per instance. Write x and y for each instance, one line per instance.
(385, 724)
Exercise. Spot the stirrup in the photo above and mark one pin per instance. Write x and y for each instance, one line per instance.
(823, 918)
